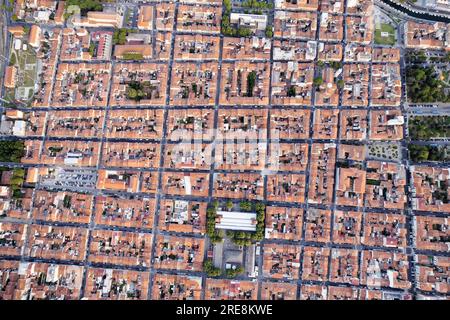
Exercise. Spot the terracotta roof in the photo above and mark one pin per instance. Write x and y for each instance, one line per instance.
(145, 50)
(10, 77)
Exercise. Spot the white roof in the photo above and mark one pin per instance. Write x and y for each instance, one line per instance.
(187, 185)
(247, 16)
(4, 191)
(19, 128)
(43, 15)
(233, 220)
(17, 44)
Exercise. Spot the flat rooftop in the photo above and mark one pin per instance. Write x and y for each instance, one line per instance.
(234, 220)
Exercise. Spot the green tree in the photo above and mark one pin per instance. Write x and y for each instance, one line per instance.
(209, 268)
(92, 49)
(269, 32)
(245, 206)
(251, 82)
(232, 273)
(244, 32)
(227, 4)
(210, 212)
(85, 5)
(215, 204)
(11, 151)
(260, 207)
(291, 91)
(132, 93)
(120, 36)
(229, 205)
(318, 81)
(230, 233)
(13, 59)
(216, 237)
(336, 65)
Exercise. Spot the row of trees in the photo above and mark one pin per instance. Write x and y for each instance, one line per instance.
(232, 273)
(9, 8)
(228, 30)
(214, 235)
(419, 56)
(244, 238)
(209, 268)
(211, 271)
(238, 237)
(257, 4)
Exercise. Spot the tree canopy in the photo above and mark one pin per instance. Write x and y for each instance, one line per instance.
(424, 85)
(86, 5)
(11, 151)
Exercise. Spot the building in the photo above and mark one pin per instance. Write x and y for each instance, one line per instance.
(32, 175)
(14, 114)
(35, 36)
(10, 77)
(111, 19)
(252, 21)
(59, 14)
(16, 31)
(231, 220)
(100, 19)
(121, 51)
(19, 128)
(104, 43)
(5, 191)
(145, 20)
(427, 35)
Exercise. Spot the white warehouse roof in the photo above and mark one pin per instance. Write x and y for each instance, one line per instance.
(233, 220)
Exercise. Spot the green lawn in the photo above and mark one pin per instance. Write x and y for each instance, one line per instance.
(27, 58)
(9, 95)
(389, 40)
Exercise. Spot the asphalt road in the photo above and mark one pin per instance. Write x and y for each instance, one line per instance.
(2, 41)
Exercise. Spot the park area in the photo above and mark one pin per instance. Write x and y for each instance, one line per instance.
(384, 34)
(25, 60)
(429, 127)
